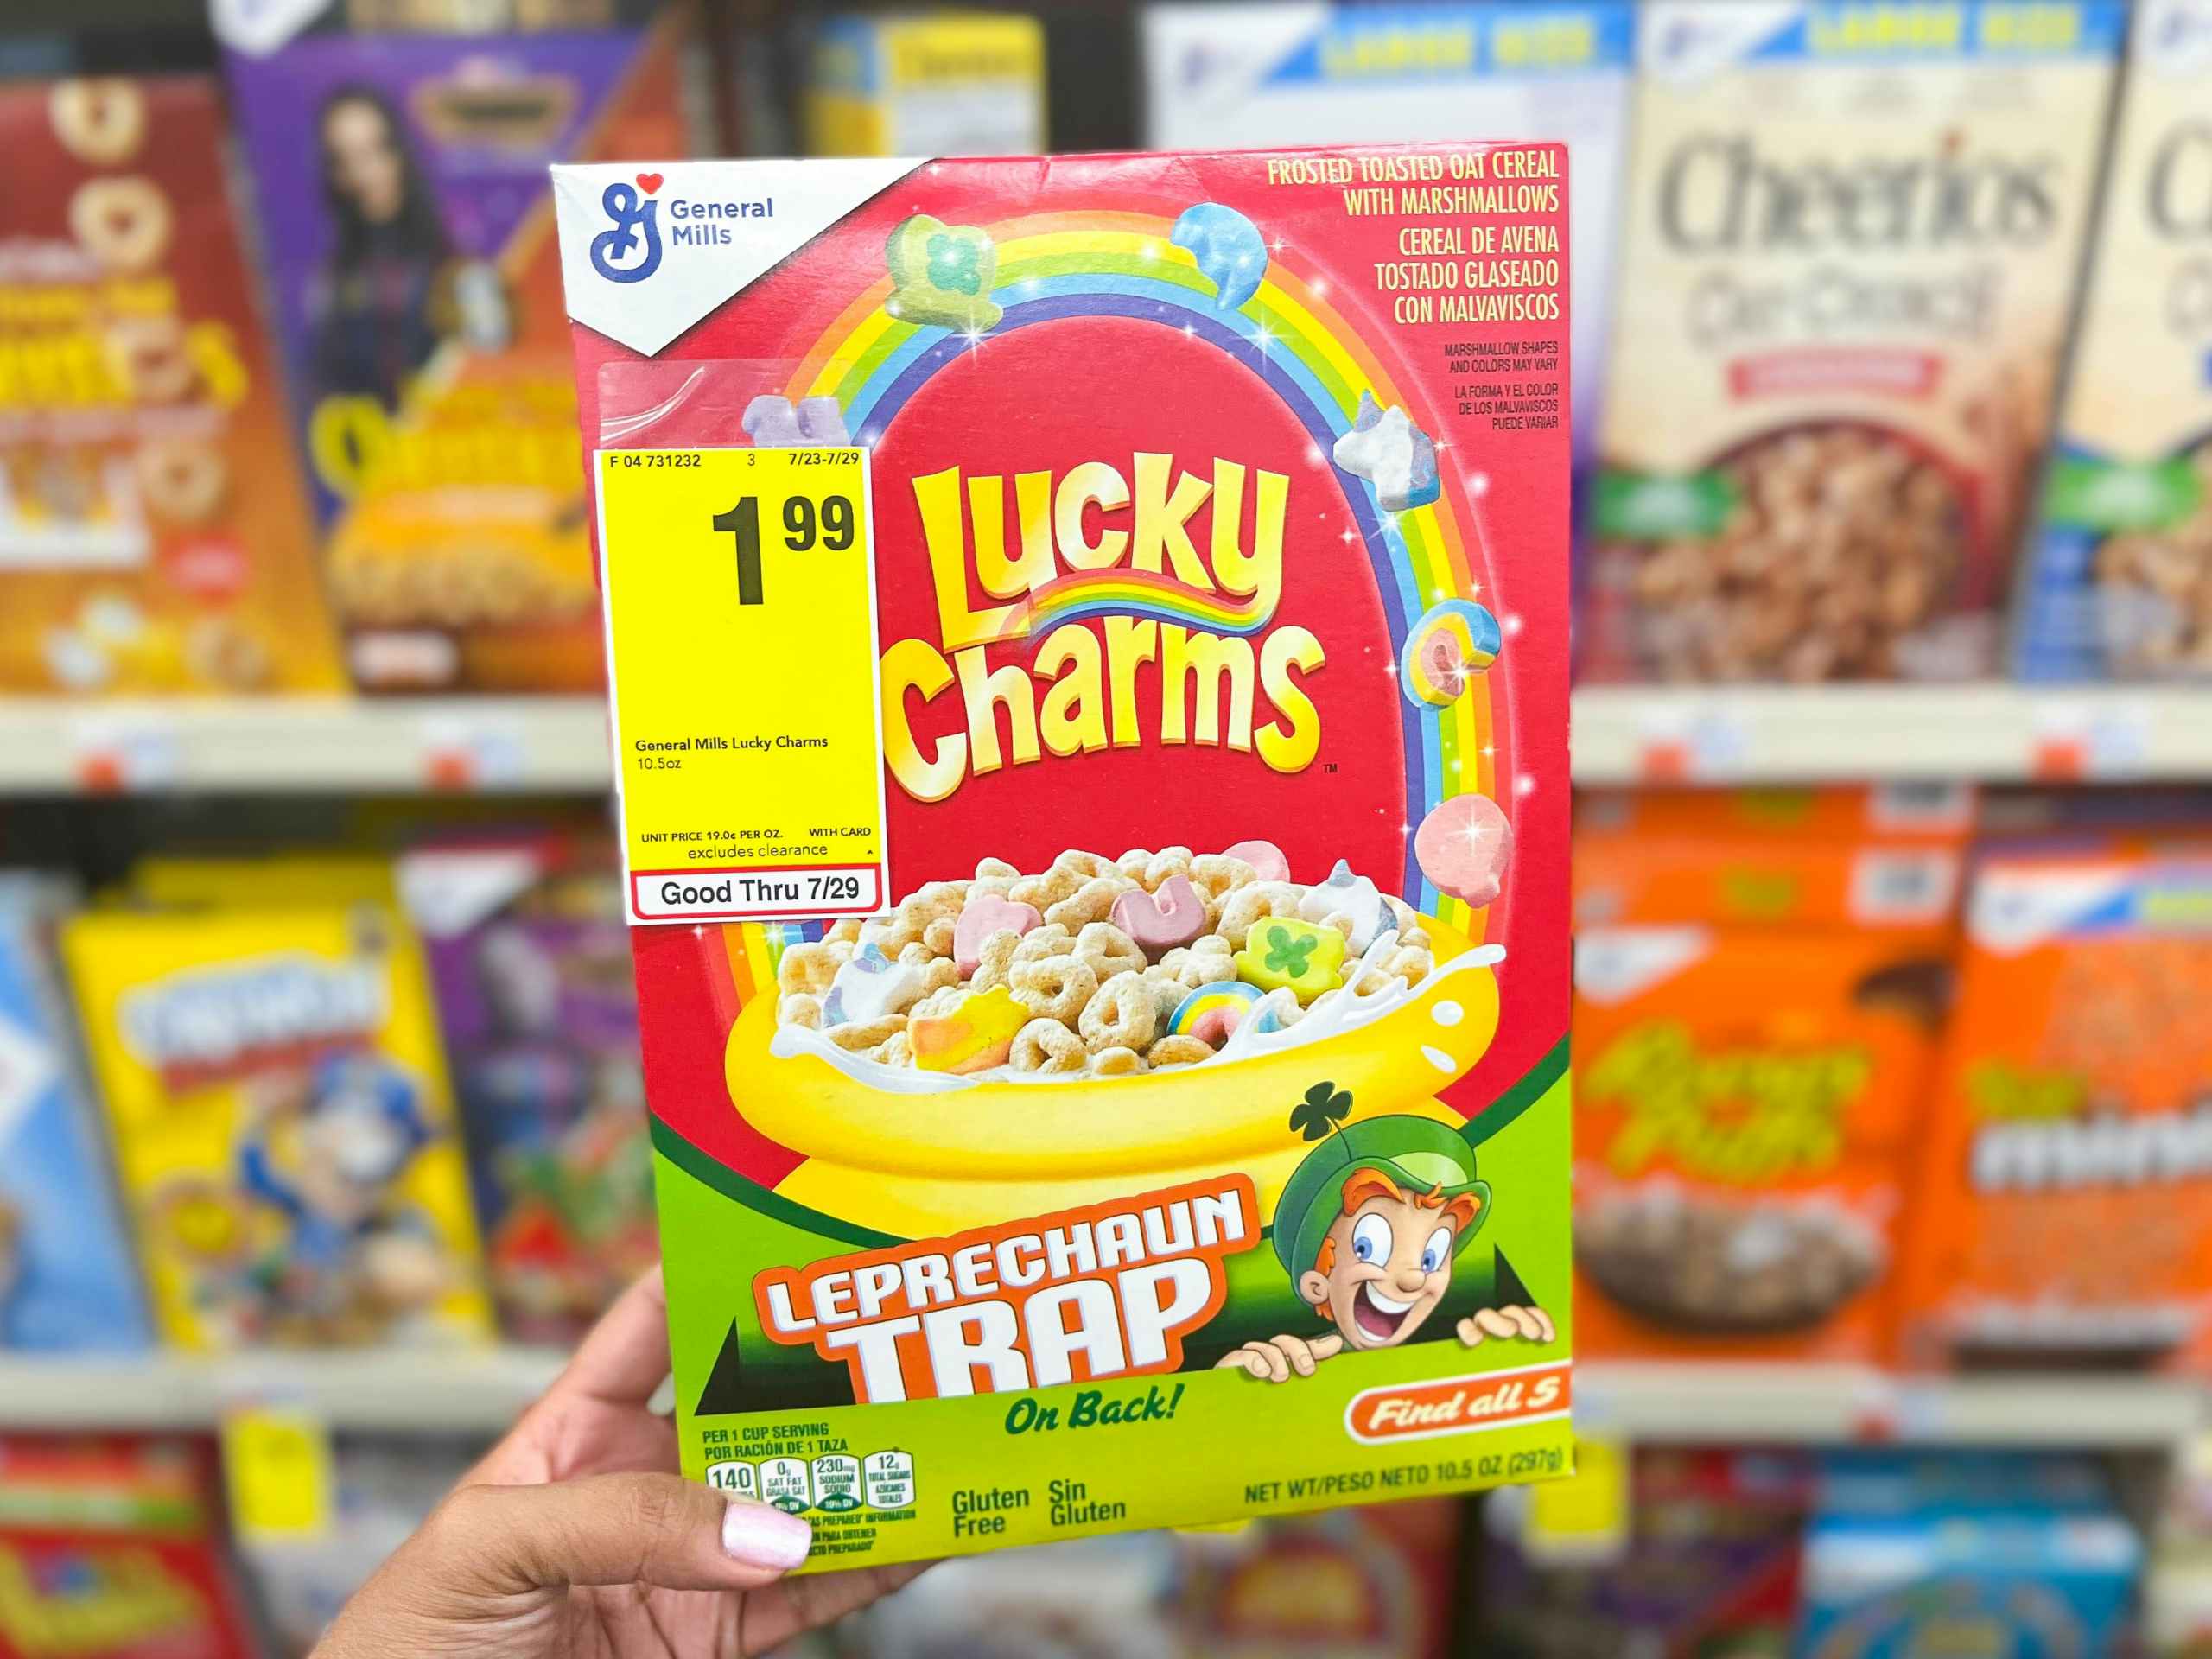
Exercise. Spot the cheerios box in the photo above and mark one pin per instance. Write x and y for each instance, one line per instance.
(2117, 580)
(1853, 240)
(154, 528)
(1089, 668)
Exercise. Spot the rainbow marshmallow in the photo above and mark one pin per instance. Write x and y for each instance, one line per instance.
(1214, 1011)
(1451, 644)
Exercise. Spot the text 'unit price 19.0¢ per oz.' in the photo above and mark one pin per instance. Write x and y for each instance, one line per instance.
(740, 595)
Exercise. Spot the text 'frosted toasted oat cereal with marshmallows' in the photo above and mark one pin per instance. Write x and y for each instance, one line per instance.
(1090, 715)
(2119, 578)
(1851, 253)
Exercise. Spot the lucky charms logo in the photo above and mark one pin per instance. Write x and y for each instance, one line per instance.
(629, 250)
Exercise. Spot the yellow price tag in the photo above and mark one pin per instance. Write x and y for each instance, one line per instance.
(1585, 1516)
(741, 601)
(276, 1466)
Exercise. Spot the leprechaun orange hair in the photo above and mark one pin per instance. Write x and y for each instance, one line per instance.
(1364, 1184)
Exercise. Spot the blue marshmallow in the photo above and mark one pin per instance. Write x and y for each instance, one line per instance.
(1228, 248)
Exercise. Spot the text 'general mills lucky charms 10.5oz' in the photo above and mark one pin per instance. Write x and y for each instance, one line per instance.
(1089, 640)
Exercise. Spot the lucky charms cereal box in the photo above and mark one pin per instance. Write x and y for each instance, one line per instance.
(1089, 642)
(282, 1124)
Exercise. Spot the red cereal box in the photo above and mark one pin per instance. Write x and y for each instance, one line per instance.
(1089, 647)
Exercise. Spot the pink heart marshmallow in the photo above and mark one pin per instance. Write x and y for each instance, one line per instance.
(980, 918)
(1264, 856)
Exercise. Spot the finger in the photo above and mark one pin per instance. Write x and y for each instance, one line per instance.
(798, 1605)
(1524, 1322)
(1495, 1324)
(1235, 1359)
(1470, 1333)
(1301, 1356)
(609, 1529)
(1547, 1331)
(1278, 1367)
(624, 1359)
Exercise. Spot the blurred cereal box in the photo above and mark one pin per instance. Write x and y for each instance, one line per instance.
(1744, 1107)
(398, 157)
(2065, 1204)
(69, 1281)
(1854, 234)
(1228, 76)
(530, 961)
(925, 84)
(283, 1123)
(2119, 581)
(152, 534)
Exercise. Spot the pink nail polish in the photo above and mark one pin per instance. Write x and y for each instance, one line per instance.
(761, 1535)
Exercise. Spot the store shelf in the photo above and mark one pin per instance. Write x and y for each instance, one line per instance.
(1995, 732)
(559, 745)
(1838, 1405)
(540, 745)
(481, 1391)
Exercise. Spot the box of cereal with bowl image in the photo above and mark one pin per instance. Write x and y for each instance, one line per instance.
(1854, 237)
(1090, 666)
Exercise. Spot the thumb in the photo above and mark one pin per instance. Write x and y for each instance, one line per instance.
(613, 1529)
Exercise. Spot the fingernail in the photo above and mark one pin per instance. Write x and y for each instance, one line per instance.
(761, 1535)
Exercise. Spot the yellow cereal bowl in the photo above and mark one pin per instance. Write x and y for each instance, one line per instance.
(942, 1158)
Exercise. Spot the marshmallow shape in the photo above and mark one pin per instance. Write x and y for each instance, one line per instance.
(1283, 953)
(979, 919)
(1464, 846)
(869, 985)
(942, 276)
(774, 423)
(1386, 449)
(976, 1036)
(1347, 894)
(1160, 921)
(1263, 856)
(1444, 651)
(1228, 249)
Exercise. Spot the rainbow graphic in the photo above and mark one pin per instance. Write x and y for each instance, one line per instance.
(1052, 266)
(1084, 593)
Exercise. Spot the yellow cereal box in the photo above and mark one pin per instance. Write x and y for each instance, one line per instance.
(284, 1126)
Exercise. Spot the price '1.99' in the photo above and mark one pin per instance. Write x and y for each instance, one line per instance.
(805, 527)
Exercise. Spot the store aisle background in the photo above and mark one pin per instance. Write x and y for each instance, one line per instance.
(1893, 745)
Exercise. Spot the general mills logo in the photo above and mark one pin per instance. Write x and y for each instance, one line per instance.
(629, 251)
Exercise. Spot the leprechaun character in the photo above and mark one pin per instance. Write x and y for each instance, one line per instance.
(1368, 1228)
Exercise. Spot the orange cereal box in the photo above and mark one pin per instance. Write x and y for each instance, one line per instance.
(1743, 1105)
(154, 534)
(2065, 1206)
(1749, 880)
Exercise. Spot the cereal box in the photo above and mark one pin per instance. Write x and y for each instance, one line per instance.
(1277, 73)
(1091, 720)
(152, 534)
(1745, 880)
(399, 167)
(938, 83)
(1743, 1110)
(283, 1123)
(1917, 812)
(530, 961)
(1851, 252)
(2119, 582)
(68, 1282)
(2065, 1211)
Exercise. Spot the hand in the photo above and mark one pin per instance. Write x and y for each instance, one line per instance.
(576, 1538)
(1273, 1359)
(1508, 1324)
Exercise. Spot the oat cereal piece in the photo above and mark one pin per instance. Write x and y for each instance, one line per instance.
(1056, 989)
(994, 958)
(938, 935)
(1408, 964)
(1123, 1012)
(182, 480)
(126, 222)
(1369, 982)
(1217, 875)
(102, 119)
(847, 931)
(987, 868)
(1170, 1051)
(1131, 863)
(939, 1002)
(939, 973)
(1092, 902)
(1047, 1045)
(915, 954)
(1415, 938)
(1049, 940)
(895, 1050)
(799, 1009)
(1117, 1062)
(991, 886)
(810, 967)
(1254, 902)
(859, 1037)
(1046, 890)
(1089, 866)
(1160, 867)
(1109, 951)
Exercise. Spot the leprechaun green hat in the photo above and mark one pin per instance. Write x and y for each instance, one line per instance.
(1418, 1153)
